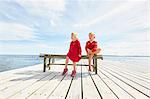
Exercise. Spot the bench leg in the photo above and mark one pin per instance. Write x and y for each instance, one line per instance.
(53, 60)
(49, 67)
(95, 63)
(44, 68)
(96, 66)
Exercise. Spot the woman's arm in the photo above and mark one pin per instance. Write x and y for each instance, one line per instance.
(86, 47)
(79, 47)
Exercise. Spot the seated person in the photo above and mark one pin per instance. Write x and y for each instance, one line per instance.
(91, 48)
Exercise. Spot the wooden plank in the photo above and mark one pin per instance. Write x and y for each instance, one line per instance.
(119, 92)
(89, 89)
(10, 78)
(127, 72)
(132, 92)
(69, 64)
(132, 78)
(102, 87)
(48, 88)
(61, 90)
(5, 77)
(12, 82)
(25, 93)
(131, 84)
(8, 74)
(135, 77)
(21, 84)
(25, 75)
(75, 89)
(64, 56)
(18, 73)
(125, 66)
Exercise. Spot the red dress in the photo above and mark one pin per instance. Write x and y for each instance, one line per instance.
(74, 51)
(91, 45)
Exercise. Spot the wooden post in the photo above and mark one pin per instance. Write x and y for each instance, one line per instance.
(95, 63)
(49, 65)
(53, 60)
(44, 68)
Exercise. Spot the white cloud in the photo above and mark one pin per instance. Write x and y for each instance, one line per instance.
(130, 44)
(120, 19)
(122, 7)
(31, 48)
(37, 6)
(128, 48)
(15, 31)
(51, 9)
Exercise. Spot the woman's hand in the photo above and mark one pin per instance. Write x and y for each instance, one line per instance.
(79, 55)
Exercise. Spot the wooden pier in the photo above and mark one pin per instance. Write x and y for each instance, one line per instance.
(112, 81)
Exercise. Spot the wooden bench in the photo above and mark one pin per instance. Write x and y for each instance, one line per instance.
(51, 60)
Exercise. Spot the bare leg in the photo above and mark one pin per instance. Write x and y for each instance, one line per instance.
(97, 51)
(90, 59)
(91, 56)
(66, 69)
(73, 74)
(67, 60)
(74, 66)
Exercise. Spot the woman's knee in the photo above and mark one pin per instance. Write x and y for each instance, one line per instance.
(91, 56)
(98, 50)
(67, 58)
(74, 63)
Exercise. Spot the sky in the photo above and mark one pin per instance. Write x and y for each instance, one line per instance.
(122, 27)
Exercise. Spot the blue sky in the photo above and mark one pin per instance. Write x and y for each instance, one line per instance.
(122, 27)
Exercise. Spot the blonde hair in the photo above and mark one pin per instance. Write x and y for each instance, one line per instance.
(92, 33)
(75, 34)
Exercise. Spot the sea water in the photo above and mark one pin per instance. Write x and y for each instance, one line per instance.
(133, 63)
(9, 62)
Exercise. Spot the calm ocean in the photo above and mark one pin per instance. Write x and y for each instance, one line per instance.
(9, 62)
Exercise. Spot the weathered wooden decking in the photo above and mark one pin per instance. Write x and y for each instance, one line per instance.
(113, 81)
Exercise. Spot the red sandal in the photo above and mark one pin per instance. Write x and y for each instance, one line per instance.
(73, 74)
(65, 71)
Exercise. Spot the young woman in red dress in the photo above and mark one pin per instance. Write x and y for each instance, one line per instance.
(74, 54)
(91, 48)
